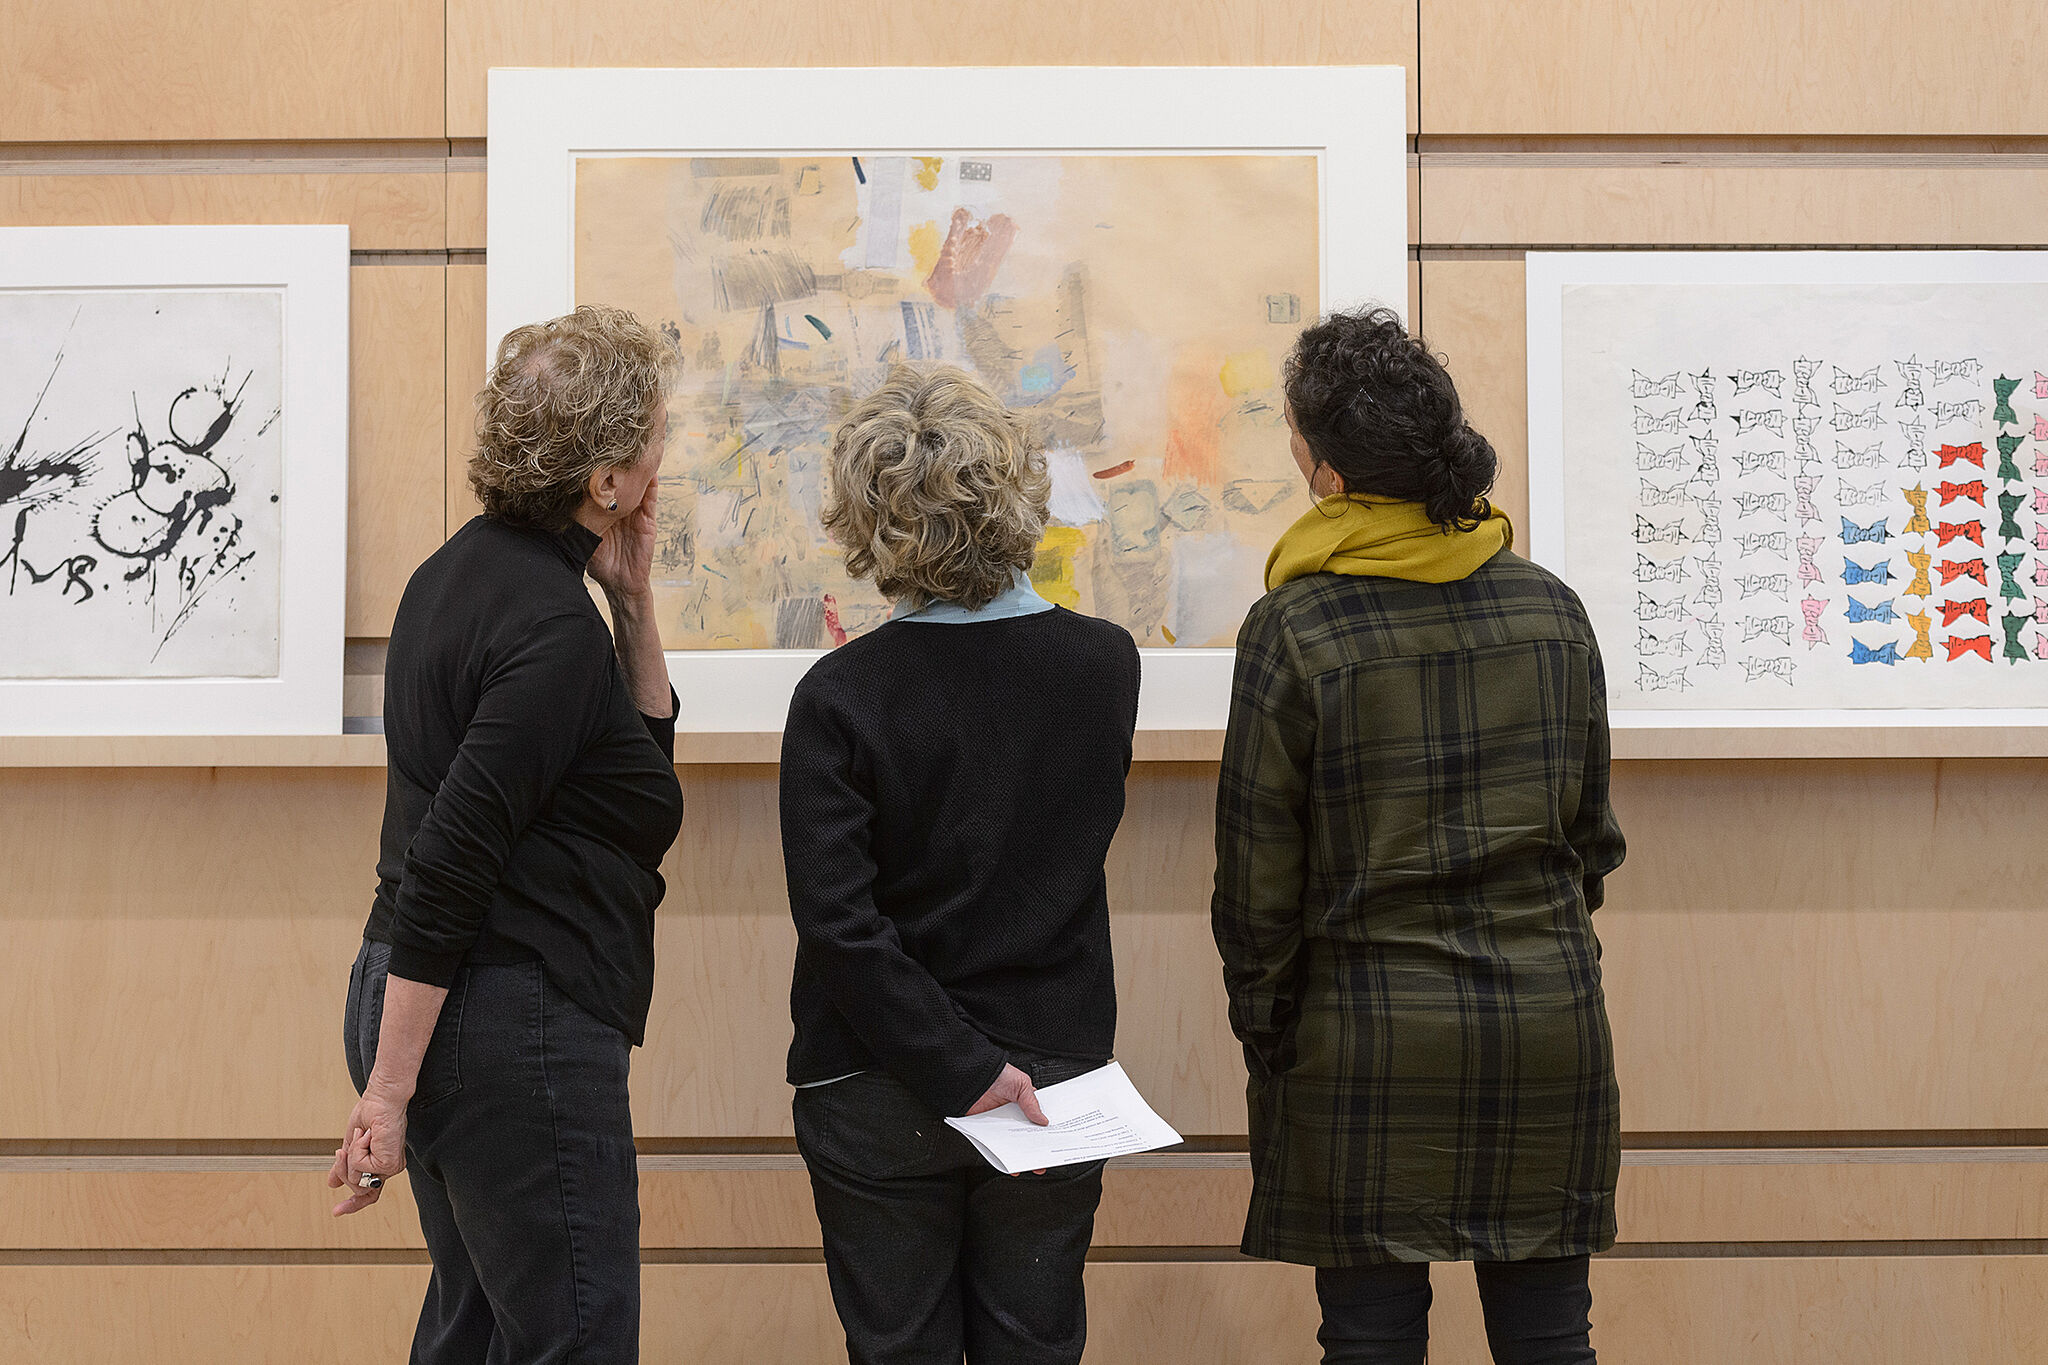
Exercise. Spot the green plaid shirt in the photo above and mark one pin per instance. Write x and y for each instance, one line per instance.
(1411, 831)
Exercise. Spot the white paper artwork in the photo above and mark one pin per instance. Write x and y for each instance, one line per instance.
(1799, 483)
(173, 479)
(140, 480)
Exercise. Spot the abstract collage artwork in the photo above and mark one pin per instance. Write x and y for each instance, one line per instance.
(1135, 308)
(141, 466)
(1813, 493)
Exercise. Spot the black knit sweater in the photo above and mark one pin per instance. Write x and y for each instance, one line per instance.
(949, 792)
(529, 802)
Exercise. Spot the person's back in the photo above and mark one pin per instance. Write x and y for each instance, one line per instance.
(992, 757)
(1412, 828)
(1444, 905)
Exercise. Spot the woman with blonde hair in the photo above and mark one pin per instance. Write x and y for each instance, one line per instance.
(950, 785)
(508, 961)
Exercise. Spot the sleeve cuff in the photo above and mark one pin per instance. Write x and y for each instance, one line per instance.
(967, 1086)
(663, 728)
(428, 968)
(1595, 890)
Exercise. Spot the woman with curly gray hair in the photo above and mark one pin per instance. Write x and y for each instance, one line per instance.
(950, 785)
(508, 961)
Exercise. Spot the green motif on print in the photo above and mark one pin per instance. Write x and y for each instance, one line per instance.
(2008, 521)
(2008, 578)
(2014, 650)
(2008, 446)
(2003, 388)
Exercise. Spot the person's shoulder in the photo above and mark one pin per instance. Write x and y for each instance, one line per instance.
(872, 655)
(1090, 632)
(1509, 574)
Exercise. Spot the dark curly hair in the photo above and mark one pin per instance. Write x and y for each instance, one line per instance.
(1377, 407)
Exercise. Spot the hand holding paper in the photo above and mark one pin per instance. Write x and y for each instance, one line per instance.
(1093, 1117)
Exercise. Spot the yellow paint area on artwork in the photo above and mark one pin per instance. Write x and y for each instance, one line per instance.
(928, 171)
(1052, 573)
(1248, 372)
(924, 247)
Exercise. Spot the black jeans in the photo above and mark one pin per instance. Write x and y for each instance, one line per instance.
(1537, 1312)
(519, 1151)
(932, 1253)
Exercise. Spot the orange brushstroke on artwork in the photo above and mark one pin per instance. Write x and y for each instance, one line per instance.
(1126, 467)
(1195, 405)
(968, 261)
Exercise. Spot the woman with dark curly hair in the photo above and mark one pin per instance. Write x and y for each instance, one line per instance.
(508, 962)
(1412, 828)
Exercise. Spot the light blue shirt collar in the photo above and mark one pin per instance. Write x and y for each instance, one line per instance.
(1019, 599)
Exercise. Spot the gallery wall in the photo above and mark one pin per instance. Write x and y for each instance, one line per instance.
(1823, 972)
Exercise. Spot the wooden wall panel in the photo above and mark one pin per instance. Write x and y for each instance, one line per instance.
(1740, 1196)
(1829, 945)
(1474, 315)
(135, 70)
(1887, 1310)
(1879, 1310)
(181, 974)
(467, 215)
(465, 375)
(398, 206)
(1774, 969)
(1639, 199)
(487, 33)
(397, 435)
(1730, 66)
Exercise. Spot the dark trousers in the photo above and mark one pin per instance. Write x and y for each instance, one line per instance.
(1537, 1312)
(932, 1253)
(519, 1151)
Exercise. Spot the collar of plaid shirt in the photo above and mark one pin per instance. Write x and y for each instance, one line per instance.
(1382, 537)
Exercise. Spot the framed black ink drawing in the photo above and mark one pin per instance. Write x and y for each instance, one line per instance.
(173, 479)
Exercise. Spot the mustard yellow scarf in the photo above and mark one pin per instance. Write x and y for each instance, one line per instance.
(1385, 538)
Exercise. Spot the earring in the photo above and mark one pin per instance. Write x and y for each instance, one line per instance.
(612, 506)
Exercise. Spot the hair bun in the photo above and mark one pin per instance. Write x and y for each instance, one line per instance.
(1459, 476)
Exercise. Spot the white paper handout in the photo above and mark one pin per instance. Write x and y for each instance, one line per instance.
(1094, 1117)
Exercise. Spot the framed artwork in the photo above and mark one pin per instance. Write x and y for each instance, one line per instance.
(173, 479)
(1799, 489)
(1123, 255)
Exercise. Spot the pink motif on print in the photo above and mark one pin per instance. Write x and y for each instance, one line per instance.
(1812, 608)
(1803, 487)
(1809, 571)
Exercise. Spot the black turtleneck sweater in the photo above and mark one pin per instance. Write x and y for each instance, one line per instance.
(528, 801)
(949, 793)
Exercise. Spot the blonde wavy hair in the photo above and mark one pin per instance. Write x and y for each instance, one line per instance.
(565, 399)
(936, 490)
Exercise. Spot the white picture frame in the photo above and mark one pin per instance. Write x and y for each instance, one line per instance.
(1550, 274)
(308, 266)
(1353, 119)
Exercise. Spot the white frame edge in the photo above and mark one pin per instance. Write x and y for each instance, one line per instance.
(1547, 275)
(310, 264)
